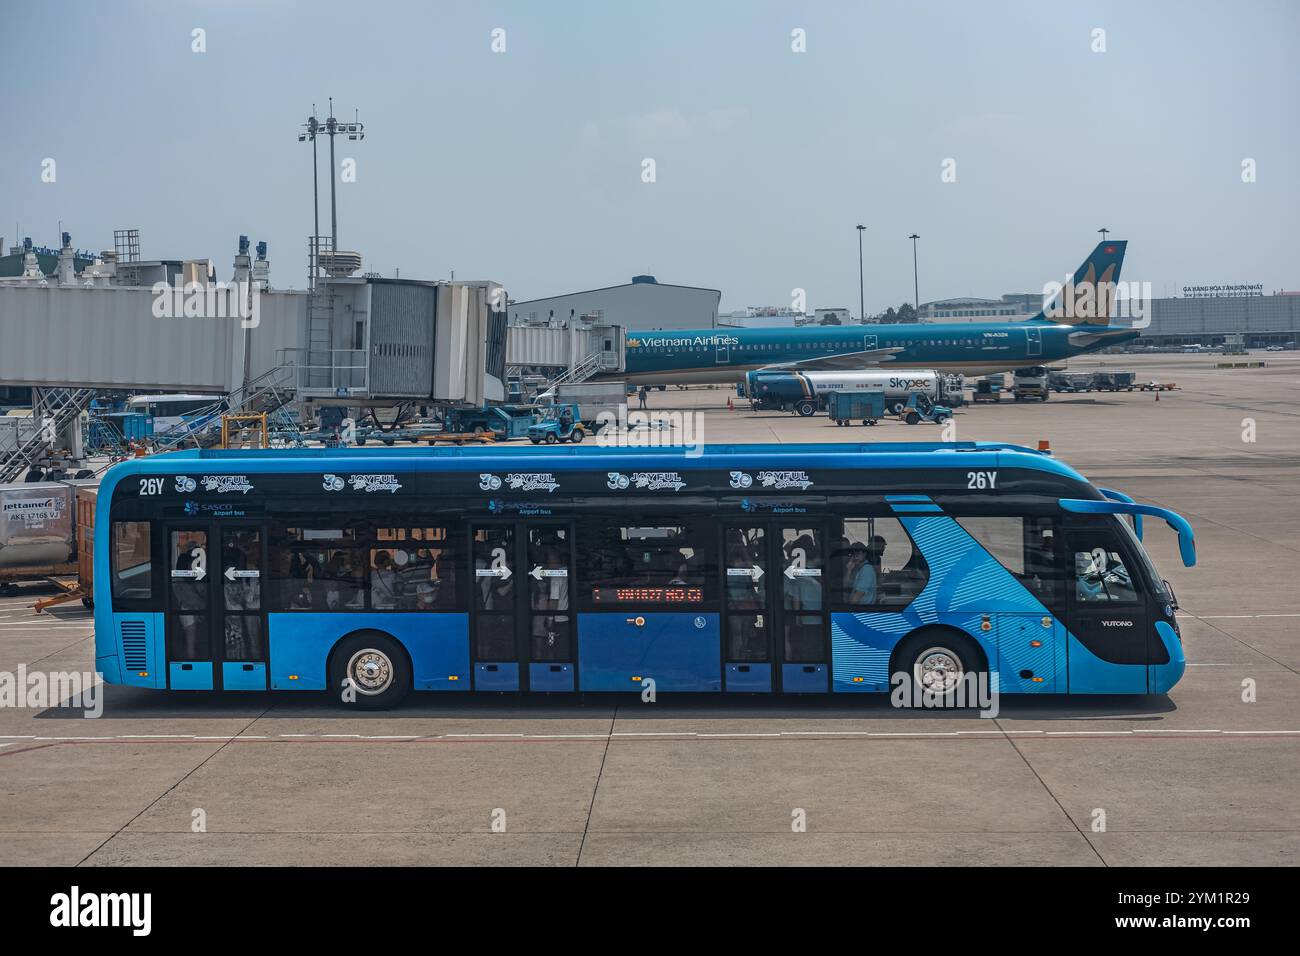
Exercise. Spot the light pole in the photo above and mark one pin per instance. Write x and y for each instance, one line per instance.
(916, 284)
(331, 128)
(312, 127)
(862, 297)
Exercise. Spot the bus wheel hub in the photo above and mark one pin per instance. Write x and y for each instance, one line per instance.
(938, 670)
(371, 671)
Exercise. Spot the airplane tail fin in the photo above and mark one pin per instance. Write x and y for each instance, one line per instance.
(1088, 298)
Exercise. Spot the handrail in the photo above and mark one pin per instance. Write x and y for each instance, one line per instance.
(1186, 537)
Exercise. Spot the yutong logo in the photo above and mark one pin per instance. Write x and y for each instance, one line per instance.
(519, 481)
(1116, 623)
(222, 484)
(781, 480)
(75, 908)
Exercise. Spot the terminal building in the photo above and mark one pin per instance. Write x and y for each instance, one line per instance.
(1260, 320)
(643, 304)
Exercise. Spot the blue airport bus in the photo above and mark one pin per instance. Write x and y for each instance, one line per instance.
(796, 569)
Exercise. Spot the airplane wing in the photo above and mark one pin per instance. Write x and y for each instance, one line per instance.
(840, 362)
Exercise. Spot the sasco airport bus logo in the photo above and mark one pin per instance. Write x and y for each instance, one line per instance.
(366, 483)
(227, 484)
(519, 481)
(782, 480)
(646, 480)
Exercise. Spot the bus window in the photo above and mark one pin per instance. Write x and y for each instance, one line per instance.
(640, 565)
(132, 572)
(317, 569)
(1025, 546)
(877, 566)
(1100, 574)
(414, 569)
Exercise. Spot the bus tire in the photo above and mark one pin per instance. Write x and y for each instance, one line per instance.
(378, 666)
(806, 409)
(937, 658)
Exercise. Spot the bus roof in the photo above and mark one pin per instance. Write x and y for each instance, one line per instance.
(584, 457)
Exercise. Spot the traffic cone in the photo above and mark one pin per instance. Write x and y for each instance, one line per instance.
(1157, 395)
(730, 406)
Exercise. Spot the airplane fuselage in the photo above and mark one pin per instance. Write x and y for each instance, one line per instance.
(722, 355)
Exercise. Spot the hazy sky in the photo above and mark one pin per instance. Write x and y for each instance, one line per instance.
(526, 166)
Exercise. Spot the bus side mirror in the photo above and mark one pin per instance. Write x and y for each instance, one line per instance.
(1186, 537)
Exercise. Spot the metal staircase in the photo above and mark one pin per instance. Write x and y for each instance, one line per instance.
(267, 394)
(589, 366)
(55, 410)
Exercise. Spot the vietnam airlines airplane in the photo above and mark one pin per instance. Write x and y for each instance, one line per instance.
(1079, 323)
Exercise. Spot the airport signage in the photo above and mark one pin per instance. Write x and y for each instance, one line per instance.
(1224, 291)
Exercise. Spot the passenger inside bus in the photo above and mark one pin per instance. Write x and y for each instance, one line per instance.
(860, 575)
(385, 586)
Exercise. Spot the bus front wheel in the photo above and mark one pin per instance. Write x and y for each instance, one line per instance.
(806, 409)
(370, 671)
(937, 660)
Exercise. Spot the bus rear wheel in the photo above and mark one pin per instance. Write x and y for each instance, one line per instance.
(937, 660)
(376, 668)
(806, 409)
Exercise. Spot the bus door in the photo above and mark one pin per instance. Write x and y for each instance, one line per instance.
(240, 618)
(775, 620)
(1107, 612)
(521, 623)
(189, 618)
(1033, 342)
(215, 615)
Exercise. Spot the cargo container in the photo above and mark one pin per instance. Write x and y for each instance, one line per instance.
(36, 531)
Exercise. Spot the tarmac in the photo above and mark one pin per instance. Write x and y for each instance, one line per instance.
(1208, 775)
